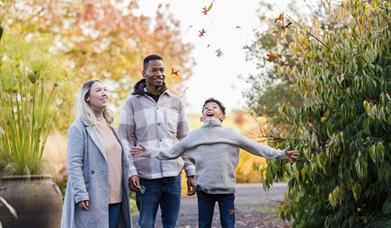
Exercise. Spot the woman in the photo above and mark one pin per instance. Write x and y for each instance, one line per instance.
(97, 192)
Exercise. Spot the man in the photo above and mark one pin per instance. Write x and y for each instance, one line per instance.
(154, 117)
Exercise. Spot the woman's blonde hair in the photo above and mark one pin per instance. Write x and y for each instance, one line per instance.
(84, 111)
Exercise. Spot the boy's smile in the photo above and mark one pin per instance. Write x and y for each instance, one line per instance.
(210, 114)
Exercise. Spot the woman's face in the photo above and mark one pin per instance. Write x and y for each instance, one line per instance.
(98, 97)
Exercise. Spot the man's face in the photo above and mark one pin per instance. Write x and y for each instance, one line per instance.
(154, 74)
(212, 110)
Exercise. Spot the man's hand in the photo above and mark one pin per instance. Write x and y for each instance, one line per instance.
(137, 151)
(134, 183)
(291, 155)
(83, 204)
(190, 186)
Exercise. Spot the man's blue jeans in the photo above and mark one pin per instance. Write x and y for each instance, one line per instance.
(164, 192)
(206, 204)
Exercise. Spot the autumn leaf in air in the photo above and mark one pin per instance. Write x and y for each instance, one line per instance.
(271, 56)
(201, 33)
(206, 10)
(279, 18)
(287, 25)
(219, 53)
(247, 47)
(174, 72)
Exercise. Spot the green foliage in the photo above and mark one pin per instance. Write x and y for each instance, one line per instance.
(343, 130)
(31, 82)
(270, 89)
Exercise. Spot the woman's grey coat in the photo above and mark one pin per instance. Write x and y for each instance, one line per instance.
(88, 180)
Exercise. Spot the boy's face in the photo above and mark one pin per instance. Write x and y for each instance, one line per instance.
(212, 110)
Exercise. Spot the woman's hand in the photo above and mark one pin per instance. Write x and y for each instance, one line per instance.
(83, 204)
(291, 155)
(138, 150)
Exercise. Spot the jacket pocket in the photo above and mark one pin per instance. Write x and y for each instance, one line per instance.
(171, 120)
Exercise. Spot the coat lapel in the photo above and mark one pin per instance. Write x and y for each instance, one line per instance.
(124, 152)
(94, 137)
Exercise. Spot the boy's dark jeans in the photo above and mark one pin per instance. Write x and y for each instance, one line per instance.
(206, 204)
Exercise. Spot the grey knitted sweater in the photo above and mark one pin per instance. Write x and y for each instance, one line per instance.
(215, 152)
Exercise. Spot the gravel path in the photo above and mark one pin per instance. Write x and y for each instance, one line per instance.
(254, 208)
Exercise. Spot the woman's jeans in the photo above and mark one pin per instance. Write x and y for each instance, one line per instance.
(206, 204)
(114, 214)
(164, 192)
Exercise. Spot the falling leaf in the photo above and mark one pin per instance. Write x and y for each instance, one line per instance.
(279, 18)
(271, 56)
(174, 72)
(205, 10)
(286, 26)
(208, 46)
(247, 47)
(238, 27)
(219, 53)
(201, 33)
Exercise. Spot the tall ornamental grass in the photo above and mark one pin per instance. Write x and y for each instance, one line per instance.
(30, 87)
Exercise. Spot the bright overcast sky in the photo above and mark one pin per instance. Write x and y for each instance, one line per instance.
(213, 76)
(229, 26)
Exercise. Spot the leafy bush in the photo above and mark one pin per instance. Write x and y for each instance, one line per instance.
(343, 130)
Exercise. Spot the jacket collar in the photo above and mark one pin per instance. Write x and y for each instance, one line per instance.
(140, 89)
(213, 122)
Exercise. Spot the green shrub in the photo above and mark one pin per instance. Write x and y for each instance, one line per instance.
(343, 130)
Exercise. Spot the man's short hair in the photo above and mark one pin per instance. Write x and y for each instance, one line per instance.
(221, 106)
(150, 58)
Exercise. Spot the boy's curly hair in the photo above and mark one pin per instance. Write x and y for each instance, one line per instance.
(217, 102)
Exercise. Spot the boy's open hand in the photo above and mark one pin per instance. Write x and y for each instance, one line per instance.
(291, 155)
(137, 151)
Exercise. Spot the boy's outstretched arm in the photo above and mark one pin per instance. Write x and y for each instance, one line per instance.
(164, 154)
(264, 150)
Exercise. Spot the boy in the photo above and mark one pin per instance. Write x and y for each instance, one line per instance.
(215, 152)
